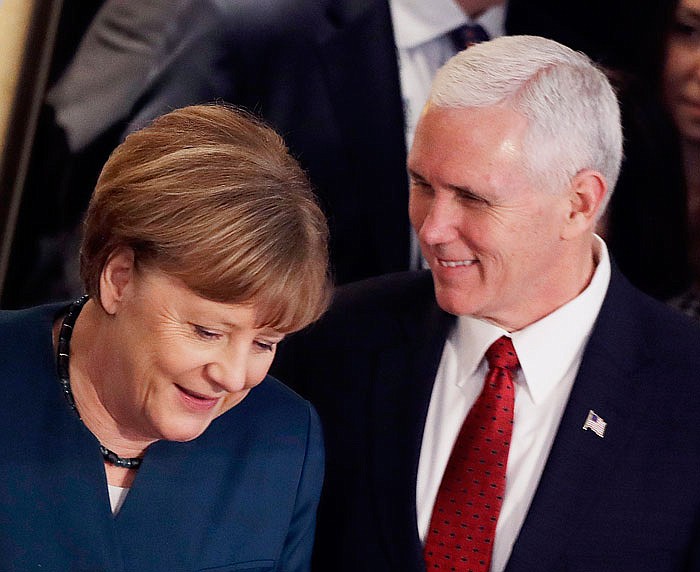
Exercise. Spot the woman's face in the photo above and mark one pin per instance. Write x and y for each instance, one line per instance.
(180, 360)
(681, 80)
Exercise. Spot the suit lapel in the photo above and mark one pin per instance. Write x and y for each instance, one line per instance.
(580, 461)
(403, 385)
(359, 59)
(359, 54)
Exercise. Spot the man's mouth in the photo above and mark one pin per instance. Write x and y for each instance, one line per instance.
(455, 263)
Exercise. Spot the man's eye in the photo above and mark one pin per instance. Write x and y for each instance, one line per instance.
(469, 197)
(419, 185)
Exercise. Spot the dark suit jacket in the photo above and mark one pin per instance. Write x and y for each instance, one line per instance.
(627, 502)
(242, 496)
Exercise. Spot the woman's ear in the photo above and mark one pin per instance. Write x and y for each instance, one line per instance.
(116, 277)
(587, 193)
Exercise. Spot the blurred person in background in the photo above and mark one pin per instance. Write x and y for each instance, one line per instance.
(681, 94)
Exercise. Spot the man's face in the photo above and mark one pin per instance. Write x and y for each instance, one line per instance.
(491, 237)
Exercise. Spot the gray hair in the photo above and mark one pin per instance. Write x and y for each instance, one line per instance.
(572, 111)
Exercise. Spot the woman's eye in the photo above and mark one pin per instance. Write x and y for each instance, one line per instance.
(265, 346)
(206, 334)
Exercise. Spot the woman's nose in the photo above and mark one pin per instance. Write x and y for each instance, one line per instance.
(228, 371)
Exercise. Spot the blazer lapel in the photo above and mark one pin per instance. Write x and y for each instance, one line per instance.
(403, 385)
(580, 460)
(77, 486)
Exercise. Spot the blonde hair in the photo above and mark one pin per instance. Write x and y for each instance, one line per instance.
(209, 194)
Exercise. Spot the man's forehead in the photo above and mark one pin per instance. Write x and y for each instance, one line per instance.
(493, 125)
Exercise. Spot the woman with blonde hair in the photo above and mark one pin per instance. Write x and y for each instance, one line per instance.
(141, 430)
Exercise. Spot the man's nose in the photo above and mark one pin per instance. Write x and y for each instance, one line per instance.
(440, 222)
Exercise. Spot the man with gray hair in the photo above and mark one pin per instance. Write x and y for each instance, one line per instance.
(521, 406)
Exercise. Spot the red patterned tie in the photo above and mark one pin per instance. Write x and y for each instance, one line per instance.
(463, 523)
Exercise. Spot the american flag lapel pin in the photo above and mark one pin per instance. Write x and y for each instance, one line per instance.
(595, 423)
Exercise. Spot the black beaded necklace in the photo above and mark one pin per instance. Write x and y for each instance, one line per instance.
(62, 362)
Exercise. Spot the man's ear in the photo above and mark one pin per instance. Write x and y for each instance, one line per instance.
(117, 274)
(586, 195)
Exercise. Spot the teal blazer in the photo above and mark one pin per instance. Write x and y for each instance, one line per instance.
(242, 496)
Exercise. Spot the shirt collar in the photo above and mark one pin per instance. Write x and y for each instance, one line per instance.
(548, 348)
(417, 21)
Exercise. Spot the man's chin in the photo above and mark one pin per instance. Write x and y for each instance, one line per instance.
(454, 302)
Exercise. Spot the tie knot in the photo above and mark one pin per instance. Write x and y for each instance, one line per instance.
(468, 35)
(502, 354)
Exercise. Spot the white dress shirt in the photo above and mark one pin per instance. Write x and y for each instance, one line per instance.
(550, 352)
(421, 34)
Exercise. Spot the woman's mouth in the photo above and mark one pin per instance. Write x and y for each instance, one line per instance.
(197, 401)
